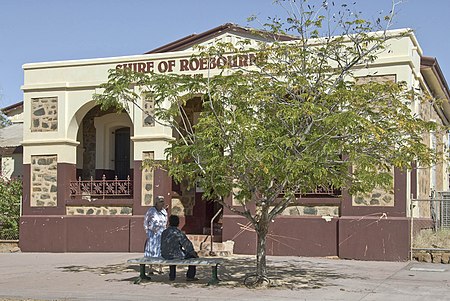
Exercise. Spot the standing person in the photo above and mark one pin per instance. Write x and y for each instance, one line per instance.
(175, 245)
(155, 222)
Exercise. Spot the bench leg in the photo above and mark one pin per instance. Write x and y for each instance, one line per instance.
(214, 278)
(142, 275)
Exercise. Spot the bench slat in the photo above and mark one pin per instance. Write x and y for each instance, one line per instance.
(190, 261)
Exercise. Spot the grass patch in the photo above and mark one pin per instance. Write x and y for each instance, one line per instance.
(427, 238)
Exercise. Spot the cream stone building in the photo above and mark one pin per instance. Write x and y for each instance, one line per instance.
(85, 190)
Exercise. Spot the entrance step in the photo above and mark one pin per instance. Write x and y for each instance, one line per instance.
(202, 244)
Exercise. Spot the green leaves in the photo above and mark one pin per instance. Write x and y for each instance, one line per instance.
(11, 192)
(293, 121)
(4, 121)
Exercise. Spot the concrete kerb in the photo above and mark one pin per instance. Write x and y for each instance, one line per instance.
(107, 276)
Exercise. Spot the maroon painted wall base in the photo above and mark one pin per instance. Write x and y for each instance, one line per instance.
(374, 238)
(288, 236)
(137, 234)
(356, 237)
(42, 234)
(82, 234)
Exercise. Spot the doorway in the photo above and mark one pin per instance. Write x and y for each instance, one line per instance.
(122, 153)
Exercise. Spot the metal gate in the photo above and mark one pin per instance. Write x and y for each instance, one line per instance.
(441, 210)
(444, 212)
(430, 227)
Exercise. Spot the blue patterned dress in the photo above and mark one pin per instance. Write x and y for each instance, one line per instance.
(154, 224)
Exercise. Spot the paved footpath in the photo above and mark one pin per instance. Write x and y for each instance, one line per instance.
(106, 276)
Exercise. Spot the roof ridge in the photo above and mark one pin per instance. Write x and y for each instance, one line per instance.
(195, 38)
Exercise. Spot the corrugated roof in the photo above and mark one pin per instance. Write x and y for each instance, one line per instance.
(14, 106)
(11, 135)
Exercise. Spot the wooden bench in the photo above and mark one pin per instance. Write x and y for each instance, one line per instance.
(212, 262)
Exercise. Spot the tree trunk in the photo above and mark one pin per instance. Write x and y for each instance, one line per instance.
(261, 231)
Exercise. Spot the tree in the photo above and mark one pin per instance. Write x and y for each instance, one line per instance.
(11, 192)
(4, 121)
(293, 121)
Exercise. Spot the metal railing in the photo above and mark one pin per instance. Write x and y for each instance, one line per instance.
(211, 252)
(428, 236)
(102, 188)
(439, 206)
(329, 190)
(320, 191)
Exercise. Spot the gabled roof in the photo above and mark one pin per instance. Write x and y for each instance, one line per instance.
(193, 39)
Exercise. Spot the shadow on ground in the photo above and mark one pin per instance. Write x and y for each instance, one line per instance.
(296, 275)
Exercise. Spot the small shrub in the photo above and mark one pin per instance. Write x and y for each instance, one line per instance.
(10, 197)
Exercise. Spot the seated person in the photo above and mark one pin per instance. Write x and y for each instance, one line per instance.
(175, 245)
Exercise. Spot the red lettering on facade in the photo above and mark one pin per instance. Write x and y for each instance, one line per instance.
(251, 59)
(184, 65)
(212, 63)
(221, 62)
(194, 64)
(150, 66)
(162, 66)
(203, 64)
(243, 61)
(141, 67)
(171, 65)
(232, 61)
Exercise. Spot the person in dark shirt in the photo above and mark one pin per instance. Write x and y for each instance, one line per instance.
(175, 245)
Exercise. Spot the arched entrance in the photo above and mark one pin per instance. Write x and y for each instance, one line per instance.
(105, 149)
(195, 212)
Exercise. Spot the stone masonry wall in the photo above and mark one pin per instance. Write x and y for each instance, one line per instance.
(44, 114)
(377, 197)
(149, 112)
(147, 181)
(311, 210)
(432, 256)
(101, 210)
(184, 205)
(43, 181)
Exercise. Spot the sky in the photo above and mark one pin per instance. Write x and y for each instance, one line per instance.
(54, 30)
